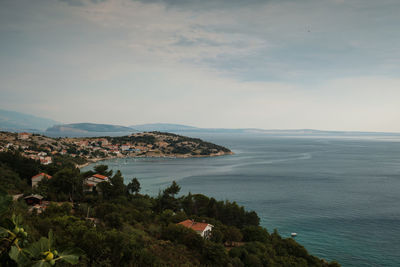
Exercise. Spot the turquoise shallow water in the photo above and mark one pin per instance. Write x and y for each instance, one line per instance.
(342, 196)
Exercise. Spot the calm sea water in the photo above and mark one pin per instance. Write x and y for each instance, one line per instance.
(342, 196)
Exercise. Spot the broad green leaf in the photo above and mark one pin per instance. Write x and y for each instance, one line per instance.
(38, 247)
(71, 255)
(41, 263)
(19, 256)
(14, 252)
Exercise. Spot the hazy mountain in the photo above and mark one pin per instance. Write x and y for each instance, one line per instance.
(88, 128)
(168, 127)
(17, 121)
(193, 131)
(162, 127)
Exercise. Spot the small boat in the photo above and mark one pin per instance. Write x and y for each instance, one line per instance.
(293, 234)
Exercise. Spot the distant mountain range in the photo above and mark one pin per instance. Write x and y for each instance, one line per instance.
(16, 121)
(162, 127)
(88, 127)
(184, 129)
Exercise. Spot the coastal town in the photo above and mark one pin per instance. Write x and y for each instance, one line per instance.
(85, 150)
(48, 152)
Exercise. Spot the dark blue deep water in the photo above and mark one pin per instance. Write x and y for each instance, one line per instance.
(341, 195)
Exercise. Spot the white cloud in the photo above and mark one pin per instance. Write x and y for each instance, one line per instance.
(309, 64)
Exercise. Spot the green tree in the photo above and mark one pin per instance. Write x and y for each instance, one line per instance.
(172, 190)
(255, 233)
(214, 254)
(67, 181)
(232, 234)
(114, 188)
(10, 181)
(167, 199)
(117, 182)
(133, 186)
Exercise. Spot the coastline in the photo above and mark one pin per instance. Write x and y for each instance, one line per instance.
(154, 155)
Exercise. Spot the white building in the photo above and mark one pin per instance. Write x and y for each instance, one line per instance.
(202, 228)
(125, 147)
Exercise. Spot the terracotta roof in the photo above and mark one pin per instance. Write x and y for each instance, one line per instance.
(100, 176)
(42, 174)
(197, 226)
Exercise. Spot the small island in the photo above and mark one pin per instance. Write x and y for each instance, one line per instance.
(85, 150)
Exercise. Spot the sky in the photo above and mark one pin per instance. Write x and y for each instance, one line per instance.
(270, 64)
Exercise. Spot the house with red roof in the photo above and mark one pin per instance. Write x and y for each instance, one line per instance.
(94, 180)
(46, 160)
(38, 177)
(24, 136)
(202, 228)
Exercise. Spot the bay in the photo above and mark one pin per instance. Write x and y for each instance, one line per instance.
(341, 195)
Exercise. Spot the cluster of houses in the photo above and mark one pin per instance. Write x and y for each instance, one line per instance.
(36, 201)
(87, 148)
(104, 146)
(90, 182)
(44, 149)
(45, 158)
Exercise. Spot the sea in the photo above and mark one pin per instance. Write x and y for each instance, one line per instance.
(340, 194)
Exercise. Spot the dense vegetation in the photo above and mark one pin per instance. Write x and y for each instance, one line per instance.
(121, 227)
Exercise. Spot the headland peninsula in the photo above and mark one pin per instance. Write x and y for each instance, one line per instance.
(86, 150)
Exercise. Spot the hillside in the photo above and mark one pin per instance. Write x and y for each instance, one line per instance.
(17, 121)
(65, 223)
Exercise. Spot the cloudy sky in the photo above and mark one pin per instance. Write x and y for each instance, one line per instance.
(272, 64)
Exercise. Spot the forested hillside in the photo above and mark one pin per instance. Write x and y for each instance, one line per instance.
(116, 225)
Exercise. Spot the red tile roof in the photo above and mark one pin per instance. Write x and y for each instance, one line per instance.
(100, 176)
(42, 174)
(197, 226)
